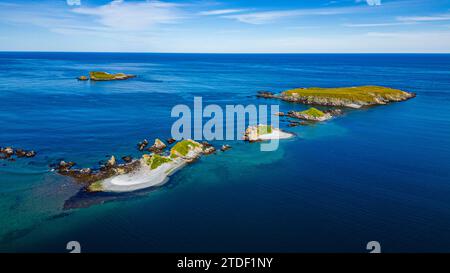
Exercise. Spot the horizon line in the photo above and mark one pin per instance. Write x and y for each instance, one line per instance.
(218, 53)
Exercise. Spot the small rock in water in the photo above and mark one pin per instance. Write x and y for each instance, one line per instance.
(83, 78)
(171, 141)
(225, 147)
(142, 145)
(159, 145)
(206, 144)
(8, 151)
(209, 150)
(30, 154)
(265, 94)
(20, 153)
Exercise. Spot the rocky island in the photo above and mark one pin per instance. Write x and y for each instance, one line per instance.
(312, 114)
(353, 97)
(264, 132)
(105, 76)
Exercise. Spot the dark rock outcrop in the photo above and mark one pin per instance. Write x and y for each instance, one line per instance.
(266, 95)
(208, 148)
(127, 159)
(141, 145)
(225, 147)
(9, 152)
(88, 175)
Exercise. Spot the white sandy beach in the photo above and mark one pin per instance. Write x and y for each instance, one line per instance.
(276, 134)
(143, 177)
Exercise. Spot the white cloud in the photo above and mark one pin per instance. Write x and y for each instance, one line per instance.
(378, 24)
(441, 17)
(270, 16)
(133, 16)
(383, 34)
(370, 2)
(373, 2)
(221, 11)
(73, 2)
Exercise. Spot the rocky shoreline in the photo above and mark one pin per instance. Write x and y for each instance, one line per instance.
(150, 170)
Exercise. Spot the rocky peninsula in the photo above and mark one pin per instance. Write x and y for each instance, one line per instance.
(353, 97)
(150, 170)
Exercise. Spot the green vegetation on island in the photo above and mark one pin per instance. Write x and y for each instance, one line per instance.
(264, 129)
(354, 97)
(104, 76)
(313, 112)
(156, 160)
(95, 187)
(183, 147)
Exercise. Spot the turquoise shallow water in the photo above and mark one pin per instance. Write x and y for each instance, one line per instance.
(373, 174)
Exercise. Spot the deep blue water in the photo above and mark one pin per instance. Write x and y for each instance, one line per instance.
(373, 174)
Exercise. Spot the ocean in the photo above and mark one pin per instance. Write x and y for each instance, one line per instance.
(377, 174)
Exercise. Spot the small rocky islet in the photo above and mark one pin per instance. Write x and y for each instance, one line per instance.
(12, 154)
(105, 76)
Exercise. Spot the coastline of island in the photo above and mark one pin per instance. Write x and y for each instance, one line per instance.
(351, 97)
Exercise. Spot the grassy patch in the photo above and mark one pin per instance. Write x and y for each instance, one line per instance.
(96, 187)
(359, 93)
(182, 148)
(156, 160)
(313, 112)
(264, 129)
(105, 75)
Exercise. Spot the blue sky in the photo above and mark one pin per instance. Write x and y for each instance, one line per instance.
(259, 26)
